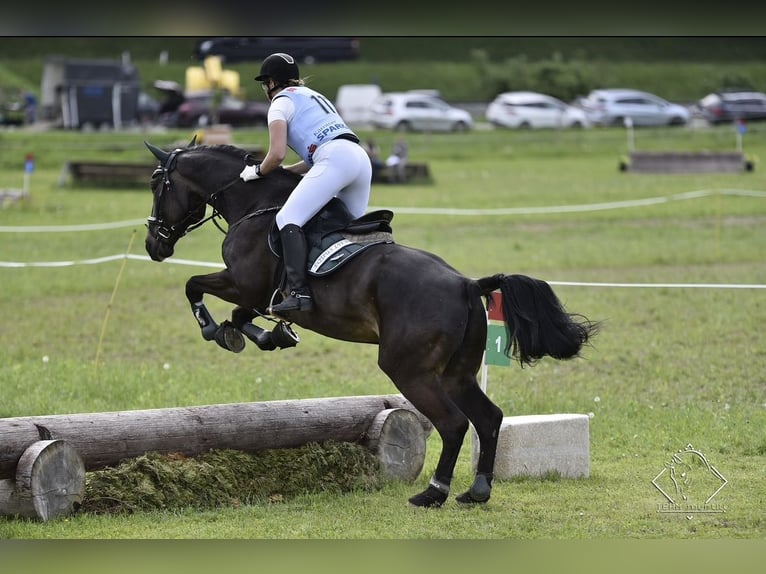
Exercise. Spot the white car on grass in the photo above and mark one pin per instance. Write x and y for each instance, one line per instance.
(533, 110)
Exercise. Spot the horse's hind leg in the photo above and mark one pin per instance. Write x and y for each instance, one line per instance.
(424, 390)
(451, 424)
(460, 383)
(486, 418)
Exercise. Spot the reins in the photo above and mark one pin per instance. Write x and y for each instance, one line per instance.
(215, 215)
(254, 214)
(168, 232)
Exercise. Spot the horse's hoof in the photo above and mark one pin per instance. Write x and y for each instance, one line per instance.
(480, 491)
(210, 331)
(467, 498)
(230, 338)
(429, 498)
(283, 336)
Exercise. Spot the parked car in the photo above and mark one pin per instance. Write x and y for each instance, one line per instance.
(612, 107)
(195, 109)
(417, 111)
(533, 110)
(12, 109)
(728, 106)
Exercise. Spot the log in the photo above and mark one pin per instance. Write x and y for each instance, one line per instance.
(397, 438)
(50, 482)
(686, 162)
(105, 439)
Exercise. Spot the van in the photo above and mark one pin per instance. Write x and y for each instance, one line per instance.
(353, 102)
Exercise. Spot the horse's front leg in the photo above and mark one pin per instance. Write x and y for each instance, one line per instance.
(219, 285)
(242, 319)
(282, 337)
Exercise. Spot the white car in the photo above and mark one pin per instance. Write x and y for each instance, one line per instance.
(614, 107)
(533, 110)
(418, 111)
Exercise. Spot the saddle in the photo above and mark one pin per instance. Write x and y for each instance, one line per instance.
(334, 237)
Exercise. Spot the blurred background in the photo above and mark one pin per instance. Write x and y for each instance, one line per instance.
(141, 82)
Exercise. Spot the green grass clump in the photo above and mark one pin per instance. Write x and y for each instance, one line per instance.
(230, 478)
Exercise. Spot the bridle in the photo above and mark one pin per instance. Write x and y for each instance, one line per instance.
(172, 233)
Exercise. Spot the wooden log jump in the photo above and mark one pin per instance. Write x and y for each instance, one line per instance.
(386, 424)
(130, 174)
(120, 174)
(686, 162)
(50, 482)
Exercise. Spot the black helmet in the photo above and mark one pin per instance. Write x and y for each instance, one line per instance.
(280, 67)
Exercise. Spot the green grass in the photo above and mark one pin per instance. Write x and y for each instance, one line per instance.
(672, 366)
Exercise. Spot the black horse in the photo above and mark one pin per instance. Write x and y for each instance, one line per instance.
(427, 319)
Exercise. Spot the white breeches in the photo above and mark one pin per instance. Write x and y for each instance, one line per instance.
(341, 169)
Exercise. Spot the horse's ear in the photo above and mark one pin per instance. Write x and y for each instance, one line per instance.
(160, 154)
(193, 141)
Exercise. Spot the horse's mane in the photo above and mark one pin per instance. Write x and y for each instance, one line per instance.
(234, 151)
(243, 155)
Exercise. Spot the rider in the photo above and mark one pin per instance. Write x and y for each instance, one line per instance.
(333, 164)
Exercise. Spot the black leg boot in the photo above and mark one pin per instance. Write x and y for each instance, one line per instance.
(295, 253)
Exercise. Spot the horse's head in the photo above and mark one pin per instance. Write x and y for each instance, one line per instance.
(178, 205)
(188, 179)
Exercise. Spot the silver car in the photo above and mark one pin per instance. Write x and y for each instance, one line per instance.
(418, 111)
(613, 107)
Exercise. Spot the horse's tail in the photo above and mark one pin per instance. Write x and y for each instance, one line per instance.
(536, 321)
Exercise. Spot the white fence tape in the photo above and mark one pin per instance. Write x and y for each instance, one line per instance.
(70, 228)
(411, 210)
(663, 285)
(440, 211)
(108, 258)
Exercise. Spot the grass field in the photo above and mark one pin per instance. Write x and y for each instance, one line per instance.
(679, 361)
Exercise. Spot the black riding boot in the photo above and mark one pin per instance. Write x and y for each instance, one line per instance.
(295, 253)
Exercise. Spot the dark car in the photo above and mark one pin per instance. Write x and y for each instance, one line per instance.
(195, 109)
(731, 105)
(307, 49)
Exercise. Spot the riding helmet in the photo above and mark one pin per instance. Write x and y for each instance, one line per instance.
(280, 67)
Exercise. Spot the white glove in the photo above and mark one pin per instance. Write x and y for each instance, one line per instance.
(250, 172)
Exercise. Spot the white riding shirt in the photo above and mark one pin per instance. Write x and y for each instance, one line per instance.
(311, 120)
(337, 167)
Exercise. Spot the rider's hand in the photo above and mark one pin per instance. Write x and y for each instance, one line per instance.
(250, 172)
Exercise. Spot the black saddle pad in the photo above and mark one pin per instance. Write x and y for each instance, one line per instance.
(334, 237)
